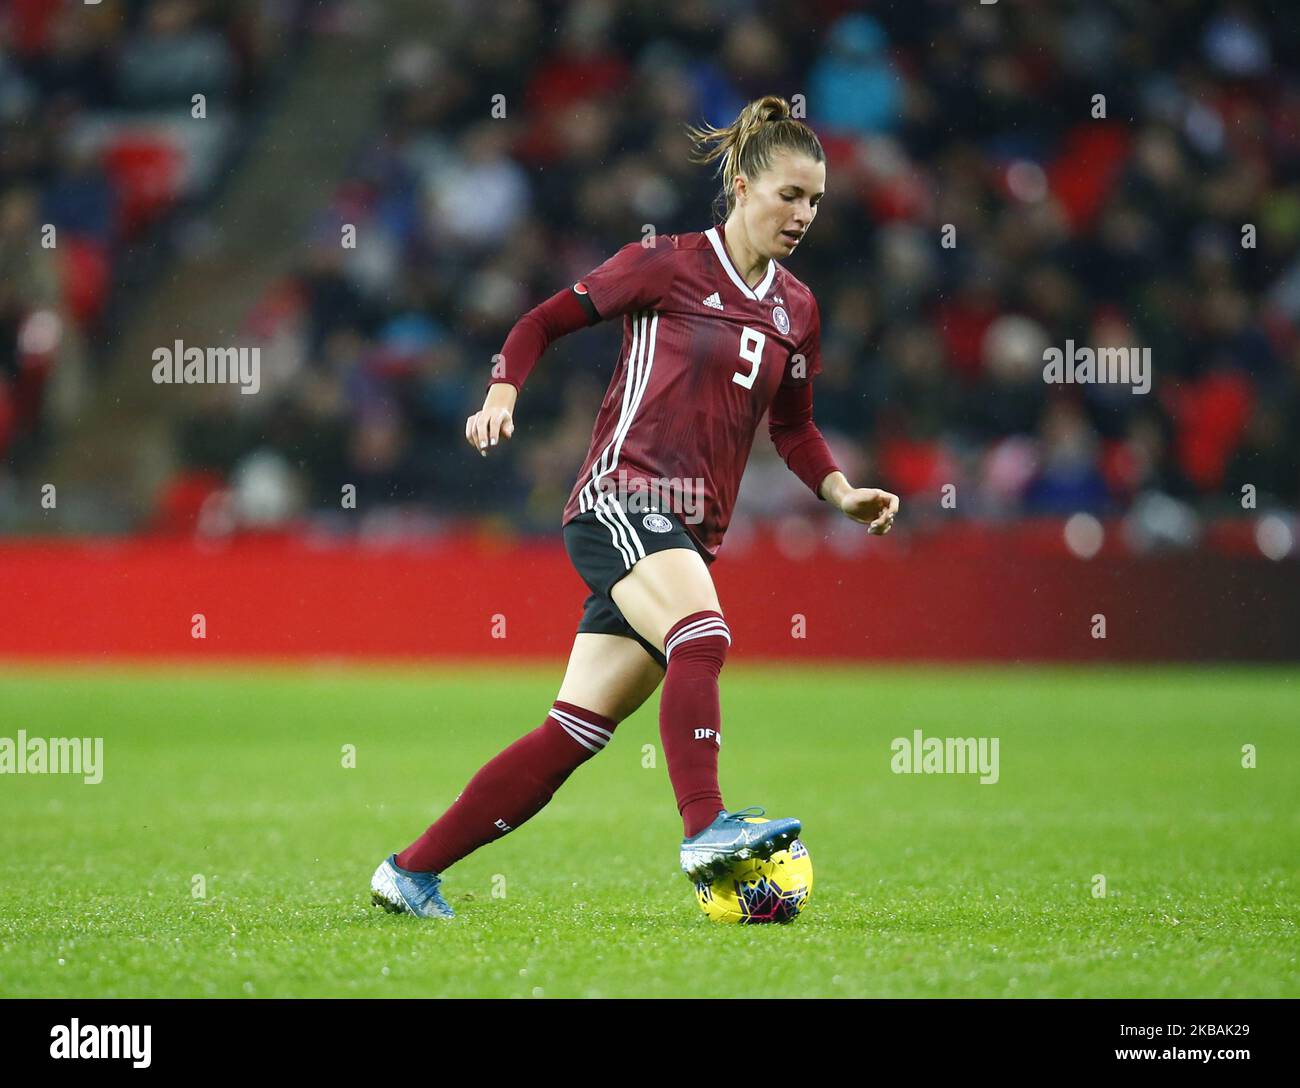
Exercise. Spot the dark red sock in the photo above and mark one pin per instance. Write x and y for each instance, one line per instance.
(510, 788)
(690, 716)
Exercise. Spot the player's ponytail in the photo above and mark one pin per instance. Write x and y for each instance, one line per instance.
(747, 144)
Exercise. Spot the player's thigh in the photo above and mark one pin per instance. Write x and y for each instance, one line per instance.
(610, 675)
(661, 589)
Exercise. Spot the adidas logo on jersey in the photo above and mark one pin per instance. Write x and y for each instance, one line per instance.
(714, 301)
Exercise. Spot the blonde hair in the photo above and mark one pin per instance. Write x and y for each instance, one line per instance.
(746, 146)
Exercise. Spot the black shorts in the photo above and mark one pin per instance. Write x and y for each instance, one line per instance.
(604, 548)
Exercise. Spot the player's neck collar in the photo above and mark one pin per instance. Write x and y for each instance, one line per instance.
(756, 292)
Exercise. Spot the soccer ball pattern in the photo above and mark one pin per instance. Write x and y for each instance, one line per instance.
(756, 892)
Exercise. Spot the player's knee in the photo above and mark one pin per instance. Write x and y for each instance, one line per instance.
(702, 637)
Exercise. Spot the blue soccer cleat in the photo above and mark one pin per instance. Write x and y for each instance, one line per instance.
(733, 837)
(402, 892)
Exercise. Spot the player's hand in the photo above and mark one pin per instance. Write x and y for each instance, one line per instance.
(875, 508)
(487, 427)
(494, 422)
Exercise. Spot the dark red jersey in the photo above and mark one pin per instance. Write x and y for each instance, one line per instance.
(702, 359)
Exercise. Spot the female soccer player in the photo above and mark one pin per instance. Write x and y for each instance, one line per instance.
(715, 333)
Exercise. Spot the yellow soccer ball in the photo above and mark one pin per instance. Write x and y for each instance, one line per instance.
(755, 892)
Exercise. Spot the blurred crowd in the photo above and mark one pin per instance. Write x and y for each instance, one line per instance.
(97, 147)
(1002, 179)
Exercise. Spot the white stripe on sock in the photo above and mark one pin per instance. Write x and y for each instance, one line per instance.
(595, 732)
(711, 625)
(580, 739)
(696, 624)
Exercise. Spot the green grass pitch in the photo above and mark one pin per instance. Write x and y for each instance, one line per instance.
(926, 885)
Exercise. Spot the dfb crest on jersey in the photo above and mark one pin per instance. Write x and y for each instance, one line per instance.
(657, 523)
(781, 319)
